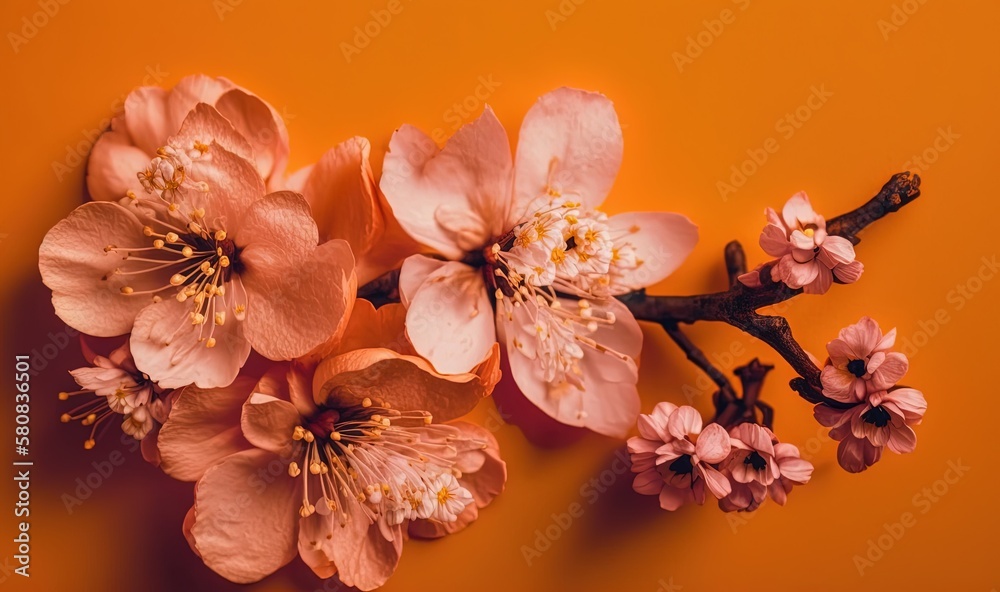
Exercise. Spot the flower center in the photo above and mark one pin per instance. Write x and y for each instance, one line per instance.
(755, 460)
(682, 466)
(877, 416)
(386, 461)
(857, 368)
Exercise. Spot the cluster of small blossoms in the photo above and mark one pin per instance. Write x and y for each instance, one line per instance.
(397, 466)
(676, 459)
(862, 373)
(113, 386)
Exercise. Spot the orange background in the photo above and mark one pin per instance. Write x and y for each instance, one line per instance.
(893, 91)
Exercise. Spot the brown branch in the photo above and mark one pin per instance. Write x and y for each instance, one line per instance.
(698, 358)
(739, 304)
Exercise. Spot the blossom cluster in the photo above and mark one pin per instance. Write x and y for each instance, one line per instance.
(331, 329)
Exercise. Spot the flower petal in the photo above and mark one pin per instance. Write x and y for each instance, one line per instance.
(202, 429)
(910, 401)
(245, 533)
(713, 443)
(454, 199)
(836, 250)
(570, 143)
(172, 350)
(256, 121)
(113, 164)
(684, 421)
(821, 284)
(799, 212)
(774, 241)
(267, 423)
(364, 558)
(406, 382)
(838, 384)
(849, 273)
(716, 482)
(449, 319)
(205, 125)
(902, 439)
(86, 291)
(662, 241)
(890, 371)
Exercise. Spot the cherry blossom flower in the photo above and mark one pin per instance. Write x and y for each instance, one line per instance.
(861, 361)
(883, 419)
(347, 203)
(808, 258)
(114, 387)
(528, 257)
(152, 115)
(354, 452)
(202, 267)
(760, 466)
(673, 457)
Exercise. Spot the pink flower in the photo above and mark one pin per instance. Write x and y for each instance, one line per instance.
(347, 203)
(119, 389)
(353, 454)
(152, 115)
(861, 362)
(759, 465)
(203, 267)
(808, 258)
(883, 419)
(529, 260)
(673, 457)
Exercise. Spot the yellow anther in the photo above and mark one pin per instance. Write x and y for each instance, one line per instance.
(176, 280)
(220, 235)
(308, 437)
(293, 469)
(88, 444)
(187, 251)
(172, 237)
(158, 243)
(147, 230)
(335, 436)
(63, 396)
(314, 468)
(109, 248)
(298, 433)
(65, 418)
(197, 318)
(366, 402)
(194, 227)
(220, 318)
(126, 290)
(210, 342)
(131, 195)
(224, 261)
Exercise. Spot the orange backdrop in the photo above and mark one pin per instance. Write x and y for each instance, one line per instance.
(836, 96)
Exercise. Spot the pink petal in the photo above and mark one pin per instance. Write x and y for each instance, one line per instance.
(172, 350)
(113, 164)
(449, 319)
(414, 272)
(609, 403)
(910, 401)
(794, 274)
(406, 382)
(751, 279)
(890, 371)
(190, 91)
(364, 558)
(648, 482)
(902, 439)
(247, 541)
(205, 125)
(822, 283)
(203, 428)
(74, 266)
(849, 273)
(267, 423)
(487, 481)
(571, 143)
(799, 240)
(716, 482)
(830, 417)
(853, 454)
(887, 341)
(839, 384)
(713, 443)
(862, 337)
(256, 121)
(796, 469)
(147, 118)
(774, 240)
(299, 295)
(315, 549)
(662, 242)
(799, 212)
(836, 250)
(685, 420)
(774, 219)
(341, 192)
(672, 498)
(456, 199)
